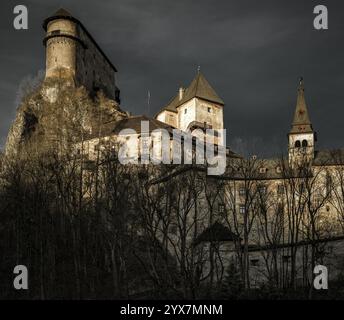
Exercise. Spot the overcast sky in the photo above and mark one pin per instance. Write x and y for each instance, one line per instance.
(252, 53)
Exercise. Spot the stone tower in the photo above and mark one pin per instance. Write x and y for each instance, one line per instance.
(72, 53)
(196, 107)
(301, 136)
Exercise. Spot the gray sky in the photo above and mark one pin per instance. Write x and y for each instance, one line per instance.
(252, 52)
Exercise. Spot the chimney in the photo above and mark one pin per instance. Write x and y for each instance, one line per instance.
(181, 93)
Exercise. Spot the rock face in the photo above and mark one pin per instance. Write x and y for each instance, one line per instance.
(58, 115)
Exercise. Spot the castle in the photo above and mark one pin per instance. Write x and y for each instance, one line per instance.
(74, 56)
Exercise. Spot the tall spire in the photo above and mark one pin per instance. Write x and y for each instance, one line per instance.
(301, 122)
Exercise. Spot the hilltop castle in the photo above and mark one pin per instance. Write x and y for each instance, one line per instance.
(73, 56)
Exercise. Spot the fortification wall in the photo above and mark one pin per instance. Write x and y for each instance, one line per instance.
(92, 68)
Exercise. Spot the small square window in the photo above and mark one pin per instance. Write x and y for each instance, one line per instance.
(255, 262)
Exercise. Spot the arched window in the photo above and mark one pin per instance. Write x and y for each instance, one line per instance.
(297, 144)
(304, 143)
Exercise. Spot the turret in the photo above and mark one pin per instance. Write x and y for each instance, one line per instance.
(72, 53)
(301, 136)
(60, 42)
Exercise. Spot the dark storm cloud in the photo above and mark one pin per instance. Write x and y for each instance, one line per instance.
(252, 52)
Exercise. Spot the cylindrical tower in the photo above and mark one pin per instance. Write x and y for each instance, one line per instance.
(60, 42)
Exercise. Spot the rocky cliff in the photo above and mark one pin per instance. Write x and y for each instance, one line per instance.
(58, 114)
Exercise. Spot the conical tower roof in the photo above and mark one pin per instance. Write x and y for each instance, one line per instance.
(301, 122)
(60, 13)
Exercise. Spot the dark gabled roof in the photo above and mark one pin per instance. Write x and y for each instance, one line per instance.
(198, 88)
(114, 127)
(273, 168)
(64, 14)
(328, 157)
(172, 105)
(216, 232)
(301, 121)
(135, 124)
(257, 248)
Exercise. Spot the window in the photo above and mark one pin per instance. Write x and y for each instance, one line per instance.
(55, 32)
(262, 189)
(221, 208)
(263, 170)
(96, 147)
(286, 258)
(209, 109)
(254, 262)
(304, 143)
(242, 191)
(185, 110)
(280, 189)
(242, 209)
(173, 229)
(297, 144)
(328, 183)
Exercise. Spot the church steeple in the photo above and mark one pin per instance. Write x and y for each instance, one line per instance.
(301, 122)
(301, 135)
